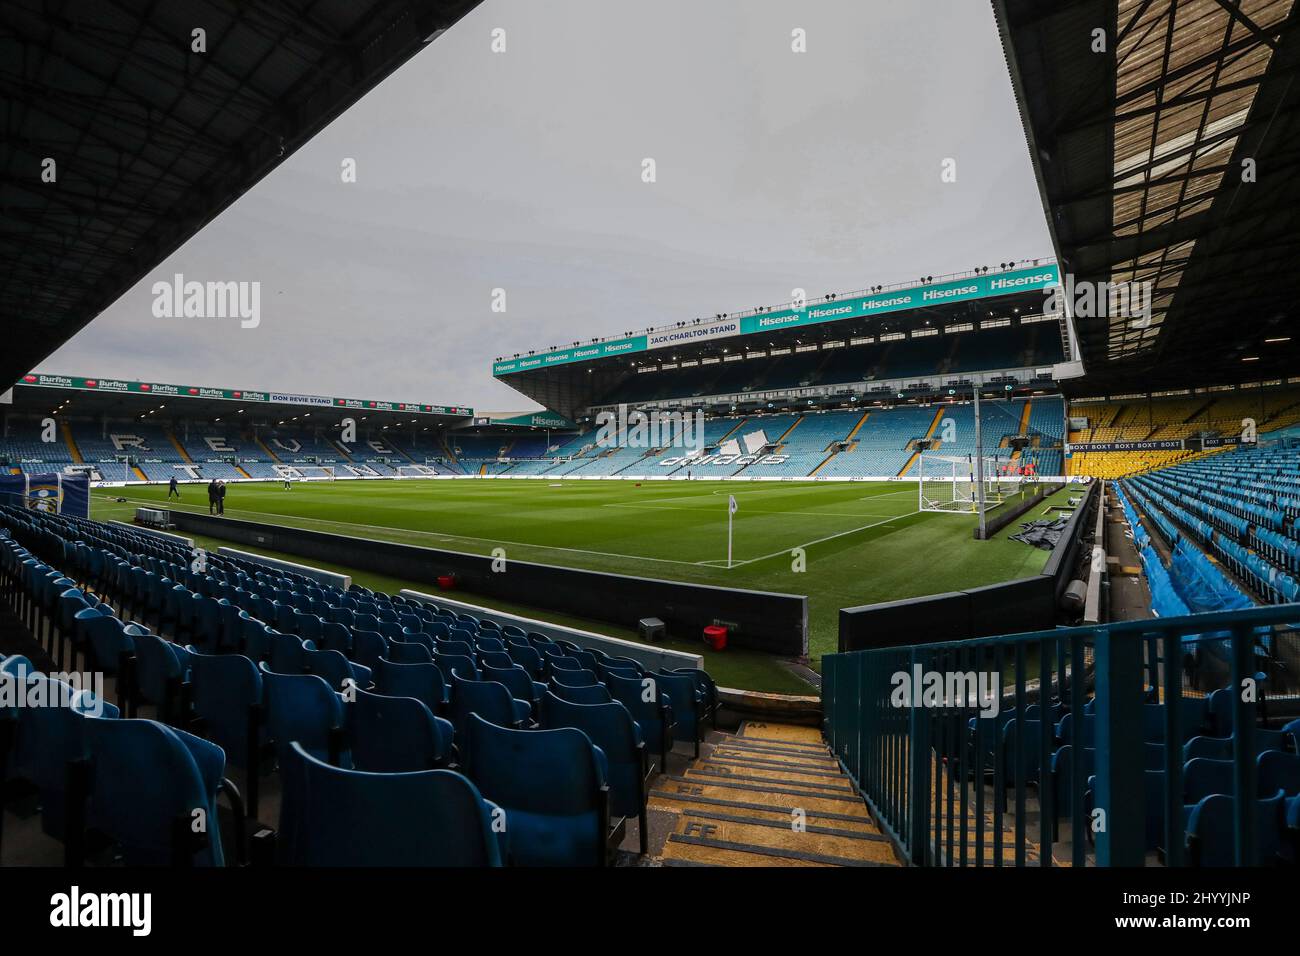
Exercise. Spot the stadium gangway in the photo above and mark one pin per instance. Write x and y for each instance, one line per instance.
(912, 764)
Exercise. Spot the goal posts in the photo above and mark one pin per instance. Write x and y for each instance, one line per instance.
(951, 483)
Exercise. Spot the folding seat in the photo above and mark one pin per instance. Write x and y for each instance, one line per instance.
(83, 622)
(207, 625)
(402, 653)
(156, 676)
(227, 697)
(499, 660)
(424, 682)
(436, 629)
(110, 648)
(147, 781)
(335, 817)
(1278, 771)
(335, 669)
(489, 644)
(1077, 729)
(255, 639)
(302, 708)
(386, 615)
(517, 680)
(464, 648)
(586, 659)
(232, 625)
(707, 688)
(410, 636)
(551, 785)
(457, 663)
(611, 728)
(368, 647)
(1203, 776)
(342, 615)
(409, 619)
(527, 658)
(392, 630)
(605, 668)
(562, 663)
(598, 694)
(68, 604)
(487, 625)
(397, 734)
(307, 626)
(365, 621)
(48, 739)
(488, 699)
(288, 653)
(1210, 829)
(688, 706)
(655, 716)
(335, 637)
(578, 678)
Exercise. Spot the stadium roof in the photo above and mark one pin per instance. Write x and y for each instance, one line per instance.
(38, 393)
(568, 379)
(1171, 158)
(151, 140)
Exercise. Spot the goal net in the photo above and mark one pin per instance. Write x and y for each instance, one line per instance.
(303, 472)
(948, 483)
(416, 471)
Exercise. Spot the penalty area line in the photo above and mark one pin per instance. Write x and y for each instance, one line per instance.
(829, 537)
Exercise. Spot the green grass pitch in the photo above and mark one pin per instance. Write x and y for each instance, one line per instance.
(860, 542)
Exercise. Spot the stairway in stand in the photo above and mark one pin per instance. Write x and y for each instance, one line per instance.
(769, 795)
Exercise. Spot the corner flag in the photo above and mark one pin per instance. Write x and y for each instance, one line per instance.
(731, 510)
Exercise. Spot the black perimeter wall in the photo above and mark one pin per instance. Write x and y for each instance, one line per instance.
(759, 620)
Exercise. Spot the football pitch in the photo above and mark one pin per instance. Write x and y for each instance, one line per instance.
(841, 544)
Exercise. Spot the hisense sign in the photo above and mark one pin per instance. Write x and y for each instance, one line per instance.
(958, 290)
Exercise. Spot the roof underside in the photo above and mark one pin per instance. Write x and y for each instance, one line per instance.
(570, 389)
(151, 139)
(1168, 162)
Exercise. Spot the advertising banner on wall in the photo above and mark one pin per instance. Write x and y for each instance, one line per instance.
(42, 380)
(900, 300)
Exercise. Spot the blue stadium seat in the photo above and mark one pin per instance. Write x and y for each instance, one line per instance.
(653, 713)
(1210, 839)
(424, 682)
(551, 785)
(331, 816)
(597, 694)
(148, 781)
(303, 708)
(397, 734)
(611, 728)
(227, 698)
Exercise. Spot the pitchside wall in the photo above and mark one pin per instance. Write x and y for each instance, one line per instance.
(1013, 607)
(760, 620)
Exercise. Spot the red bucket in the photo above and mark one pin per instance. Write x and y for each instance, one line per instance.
(447, 582)
(716, 637)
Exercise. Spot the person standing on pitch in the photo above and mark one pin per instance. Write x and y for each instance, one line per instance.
(172, 489)
(212, 496)
(286, 481)
(221, 497)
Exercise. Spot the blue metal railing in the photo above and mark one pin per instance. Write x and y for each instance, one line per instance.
(948, 772)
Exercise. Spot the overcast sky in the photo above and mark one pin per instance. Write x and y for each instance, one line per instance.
(522, 170)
